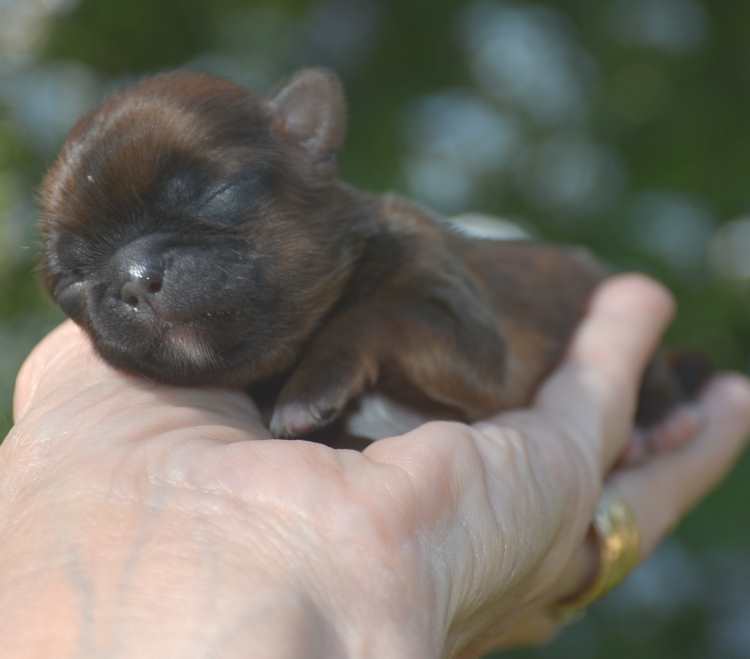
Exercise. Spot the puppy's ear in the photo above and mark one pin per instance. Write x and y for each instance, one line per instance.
(310, 111)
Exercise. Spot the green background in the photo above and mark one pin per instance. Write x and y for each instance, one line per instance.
(620, 125)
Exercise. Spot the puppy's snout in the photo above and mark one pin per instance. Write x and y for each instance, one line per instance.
(139, 276)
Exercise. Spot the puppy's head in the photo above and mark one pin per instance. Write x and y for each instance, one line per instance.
(194, 229)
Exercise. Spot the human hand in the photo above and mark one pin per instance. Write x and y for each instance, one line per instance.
(154, 521)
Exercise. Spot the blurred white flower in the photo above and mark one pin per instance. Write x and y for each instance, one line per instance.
(23, 28)
(729, 607)
(439, 182)
(730, 637)
(459, 126)
(46, 102)
(675, 26)
(665, 584)
(572, 175)
(454, 139)
(673, 227)
(729, 250)
(338, 33)
(528, 57)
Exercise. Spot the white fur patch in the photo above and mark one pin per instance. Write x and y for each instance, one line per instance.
(186, 344)
(489, 227)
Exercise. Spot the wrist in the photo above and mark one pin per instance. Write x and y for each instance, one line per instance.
(96, 578)
(92, 574)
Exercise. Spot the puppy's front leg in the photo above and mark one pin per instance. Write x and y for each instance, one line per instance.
(442, 340)
(341, 362)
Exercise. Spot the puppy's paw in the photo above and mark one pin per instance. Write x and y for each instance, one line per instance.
(319, 391)
(295, 419)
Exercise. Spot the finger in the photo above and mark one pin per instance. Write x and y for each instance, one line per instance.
(593, 394)
(71, 392)
(661, 491)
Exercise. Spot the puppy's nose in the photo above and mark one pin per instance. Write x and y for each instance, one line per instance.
(138, 274)
(141, 287)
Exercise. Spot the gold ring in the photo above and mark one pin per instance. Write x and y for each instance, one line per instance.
(619, 552)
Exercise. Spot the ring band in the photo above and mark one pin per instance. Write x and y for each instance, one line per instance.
(619, 552)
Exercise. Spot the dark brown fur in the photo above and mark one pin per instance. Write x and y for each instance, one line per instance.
(198, 232)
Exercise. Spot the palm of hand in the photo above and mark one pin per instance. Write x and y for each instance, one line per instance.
(171, 462)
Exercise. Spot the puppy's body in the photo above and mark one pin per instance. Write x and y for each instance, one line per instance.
(199, 234)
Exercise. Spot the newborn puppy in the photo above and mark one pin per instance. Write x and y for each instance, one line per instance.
(198, 232)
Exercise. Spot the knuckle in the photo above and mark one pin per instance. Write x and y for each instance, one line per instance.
(447, 442)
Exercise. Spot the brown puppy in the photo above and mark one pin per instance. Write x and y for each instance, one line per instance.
(199, 234)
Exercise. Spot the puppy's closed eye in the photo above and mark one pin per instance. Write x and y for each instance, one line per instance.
(232, 202)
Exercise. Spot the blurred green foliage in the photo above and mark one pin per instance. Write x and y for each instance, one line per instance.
(625, 131)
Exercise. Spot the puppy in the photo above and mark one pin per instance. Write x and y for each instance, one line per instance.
(198, 232)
